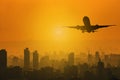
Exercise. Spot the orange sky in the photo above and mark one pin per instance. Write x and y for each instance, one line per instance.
(37, 24)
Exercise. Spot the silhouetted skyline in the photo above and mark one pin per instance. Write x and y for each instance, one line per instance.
(102, 67)
(33, 60)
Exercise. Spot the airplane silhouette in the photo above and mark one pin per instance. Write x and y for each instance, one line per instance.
(88, 27)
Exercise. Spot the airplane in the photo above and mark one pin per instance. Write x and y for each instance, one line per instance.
(88, 27)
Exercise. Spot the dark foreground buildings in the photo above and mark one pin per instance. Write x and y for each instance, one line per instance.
(71, 71)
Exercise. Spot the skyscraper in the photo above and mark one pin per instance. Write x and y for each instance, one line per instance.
(44, 62)
(71, 59)
(35, 60)
(90, 59)
(97, 57)
(3, 59)
(26, 59)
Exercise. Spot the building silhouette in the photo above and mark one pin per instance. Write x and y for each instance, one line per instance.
(101, 70)
(71, 59)
(44, 62)
(97, 57)
(107, 60)
(35, 60)
(26, 59)
(3, 64)
(115, 59)
(90, 59)
(70, 72)
(3, 59)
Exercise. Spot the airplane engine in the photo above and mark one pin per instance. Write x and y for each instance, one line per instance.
(97, 25)
(77, 27)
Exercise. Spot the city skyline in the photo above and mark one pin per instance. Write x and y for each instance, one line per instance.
(96, 67)
(33, 59)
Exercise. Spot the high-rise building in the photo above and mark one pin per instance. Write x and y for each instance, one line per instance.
(35, 60)
(3, 59)
(100, 67)
(97, 57)
(106, 60)
(115, 60)
(71, 59)
(90, 59)
(44, 62)
(26, 59)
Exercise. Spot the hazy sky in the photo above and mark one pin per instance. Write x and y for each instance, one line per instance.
(37, 24)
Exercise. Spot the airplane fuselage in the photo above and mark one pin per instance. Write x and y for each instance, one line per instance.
(87, 24)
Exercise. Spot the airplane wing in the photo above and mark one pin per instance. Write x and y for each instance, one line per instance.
(100, 26)
(77, 27)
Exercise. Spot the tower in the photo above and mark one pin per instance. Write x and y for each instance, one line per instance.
(3, 59)
(35, 60)
(71, 59)
(90, 59)
(26, 59)
(97, 57)
(3, 64)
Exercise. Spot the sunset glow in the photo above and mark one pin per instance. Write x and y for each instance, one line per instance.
(38, 24)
